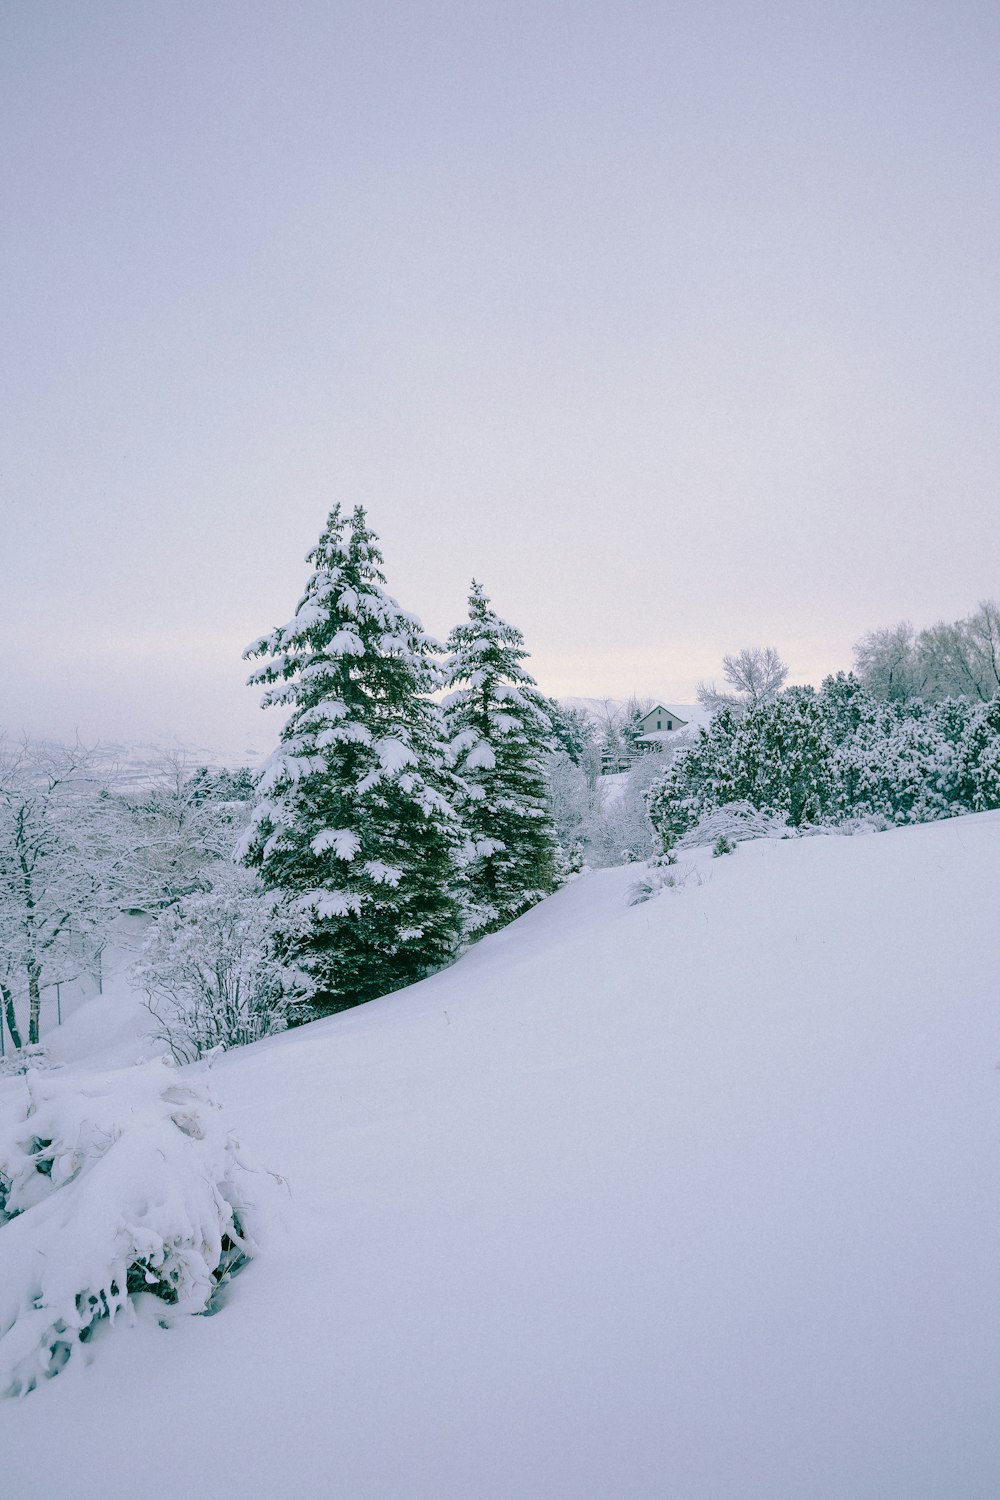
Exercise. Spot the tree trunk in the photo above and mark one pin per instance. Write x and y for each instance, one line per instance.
(8, 1008)
(34, 1008)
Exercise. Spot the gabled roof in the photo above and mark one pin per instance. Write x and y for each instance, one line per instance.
(664, 711)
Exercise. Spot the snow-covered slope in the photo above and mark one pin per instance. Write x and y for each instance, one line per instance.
(697, 1199)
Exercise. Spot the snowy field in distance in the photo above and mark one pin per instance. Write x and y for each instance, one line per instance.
(694, 1199)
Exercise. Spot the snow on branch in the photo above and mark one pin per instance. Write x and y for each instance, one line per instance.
(344, 843)
(325, 904)
(738, 821)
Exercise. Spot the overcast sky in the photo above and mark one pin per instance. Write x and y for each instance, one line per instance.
(675, 323)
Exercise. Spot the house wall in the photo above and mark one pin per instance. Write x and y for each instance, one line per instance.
(661, 719)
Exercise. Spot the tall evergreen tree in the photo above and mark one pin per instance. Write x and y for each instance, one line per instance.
(355, 808)
(500, 733)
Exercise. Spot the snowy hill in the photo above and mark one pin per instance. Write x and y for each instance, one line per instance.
(695, 1199)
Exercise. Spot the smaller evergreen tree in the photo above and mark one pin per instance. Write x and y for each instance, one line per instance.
(500, 733)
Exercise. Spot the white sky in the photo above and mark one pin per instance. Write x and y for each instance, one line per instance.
(674, 323)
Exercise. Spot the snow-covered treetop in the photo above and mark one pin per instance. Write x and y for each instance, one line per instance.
(354, 667)
(490, 687)
(344, 615)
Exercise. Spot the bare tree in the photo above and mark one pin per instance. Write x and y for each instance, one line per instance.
(984, 632)
(575, 800)
(179, 822)
(620, 831)
(948, 664)
(960, 659)
(213, 967)
(59, 868)
(755, 675)
(963, 659)
(886, 660)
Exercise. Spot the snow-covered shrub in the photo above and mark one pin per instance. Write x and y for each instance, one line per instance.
(723, 845)
(862, 823)
(22, 1060)
(820, 759)
(112, 1185)
(734, 822)
(214, 967)
(661, 875)
(570, 862)
(776, 755)
(901, 762)
(979, 757)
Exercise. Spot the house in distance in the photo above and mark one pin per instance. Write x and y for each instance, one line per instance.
(658, 722)
(645, 734)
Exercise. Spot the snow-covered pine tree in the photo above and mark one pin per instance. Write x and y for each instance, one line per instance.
(355, 808)
(500, 733)
(979, 758)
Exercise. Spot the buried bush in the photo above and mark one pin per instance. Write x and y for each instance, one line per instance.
(132, 1183)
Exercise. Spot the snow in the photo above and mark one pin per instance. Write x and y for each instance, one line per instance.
(613, 786)
(481, 757)
(344, 642)
(330, 903)
(695, 1199)
(344, 843)
(393, 754)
